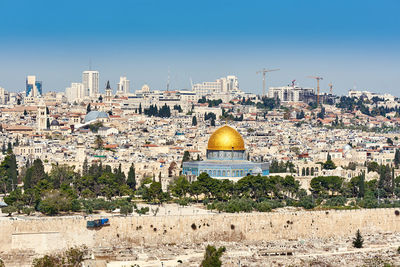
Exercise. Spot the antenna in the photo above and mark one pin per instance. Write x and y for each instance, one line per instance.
(90, 64)
(168, 80)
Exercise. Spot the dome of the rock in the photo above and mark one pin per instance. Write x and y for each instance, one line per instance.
(226, 138)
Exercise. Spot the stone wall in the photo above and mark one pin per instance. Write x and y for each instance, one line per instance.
(52, 234)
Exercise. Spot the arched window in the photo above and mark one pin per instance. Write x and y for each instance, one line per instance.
(303, 172)
(219, 173)
(308, 171)
(312, 171)
(223, 173)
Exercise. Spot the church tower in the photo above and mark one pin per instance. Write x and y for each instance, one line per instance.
(108, 92)
(41, 117)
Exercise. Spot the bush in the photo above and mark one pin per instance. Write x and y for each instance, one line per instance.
(358, 241)
(142, 211)
(212, 257)
(336, 201)
(27, 210)
(9, 209)
(307, 202)
(126, 209)
(263, 206)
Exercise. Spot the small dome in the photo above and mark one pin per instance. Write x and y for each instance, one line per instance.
(94, 115)
(257, 170)
(145, 88)
(226, 138)
(54, 123)
(347, 147)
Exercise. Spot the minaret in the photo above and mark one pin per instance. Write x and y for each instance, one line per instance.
(108, 91)
(41, 117)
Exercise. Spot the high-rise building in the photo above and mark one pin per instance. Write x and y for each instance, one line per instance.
(229, 84)
(75, 93)
(123, 86)
(33, 87)
(90, 80)
(4, 96)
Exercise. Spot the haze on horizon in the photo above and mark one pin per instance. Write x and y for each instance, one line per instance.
(353, 44)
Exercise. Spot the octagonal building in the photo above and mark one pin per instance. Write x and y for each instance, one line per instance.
(226, 158)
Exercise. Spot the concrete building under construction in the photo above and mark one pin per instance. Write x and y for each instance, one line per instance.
(292, 94)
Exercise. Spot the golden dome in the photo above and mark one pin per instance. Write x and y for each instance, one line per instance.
(226, 138)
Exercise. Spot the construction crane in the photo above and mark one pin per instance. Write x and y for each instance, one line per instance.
(330, 88)
(264, 71)
(318, 79)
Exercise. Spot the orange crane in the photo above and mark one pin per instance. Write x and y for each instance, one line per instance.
(318, 79)
(264, 71)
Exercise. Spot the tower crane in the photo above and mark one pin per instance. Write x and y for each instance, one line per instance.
(318, 79)
(264, 71)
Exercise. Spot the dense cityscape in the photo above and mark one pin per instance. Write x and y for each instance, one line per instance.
(215, 148)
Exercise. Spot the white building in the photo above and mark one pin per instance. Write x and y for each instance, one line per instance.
(229, 84)
(90, 80)
(4, 96)
(123, 86)
(75, 93)
(291, 93)
(370, 95)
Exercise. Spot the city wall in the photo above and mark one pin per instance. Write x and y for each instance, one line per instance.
(52, 234)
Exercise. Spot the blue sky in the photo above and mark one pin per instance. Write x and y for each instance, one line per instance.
(351, 43)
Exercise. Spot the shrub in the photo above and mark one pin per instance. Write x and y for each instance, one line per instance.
(307, 202)
(263, 206)
(358, 241)
(336, 201)
(126, 209)
(142, 211)
(9, 209)
(212, 257)
(27, 210)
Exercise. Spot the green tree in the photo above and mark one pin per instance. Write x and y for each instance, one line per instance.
(126, 209)
(179, 187)
(85, 167)
(131, 181)
(397, 158)
(140, 108)
(212, 257)
(34, 174)
(358, 241)
(329, 164)
(362, 184)
(9, 210)
(88, 108)
(194, 121)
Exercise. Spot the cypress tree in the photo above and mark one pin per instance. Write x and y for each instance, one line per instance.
(362, 184)
(194, 121)
(131, 181)
(358, 241)
(85, 167)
